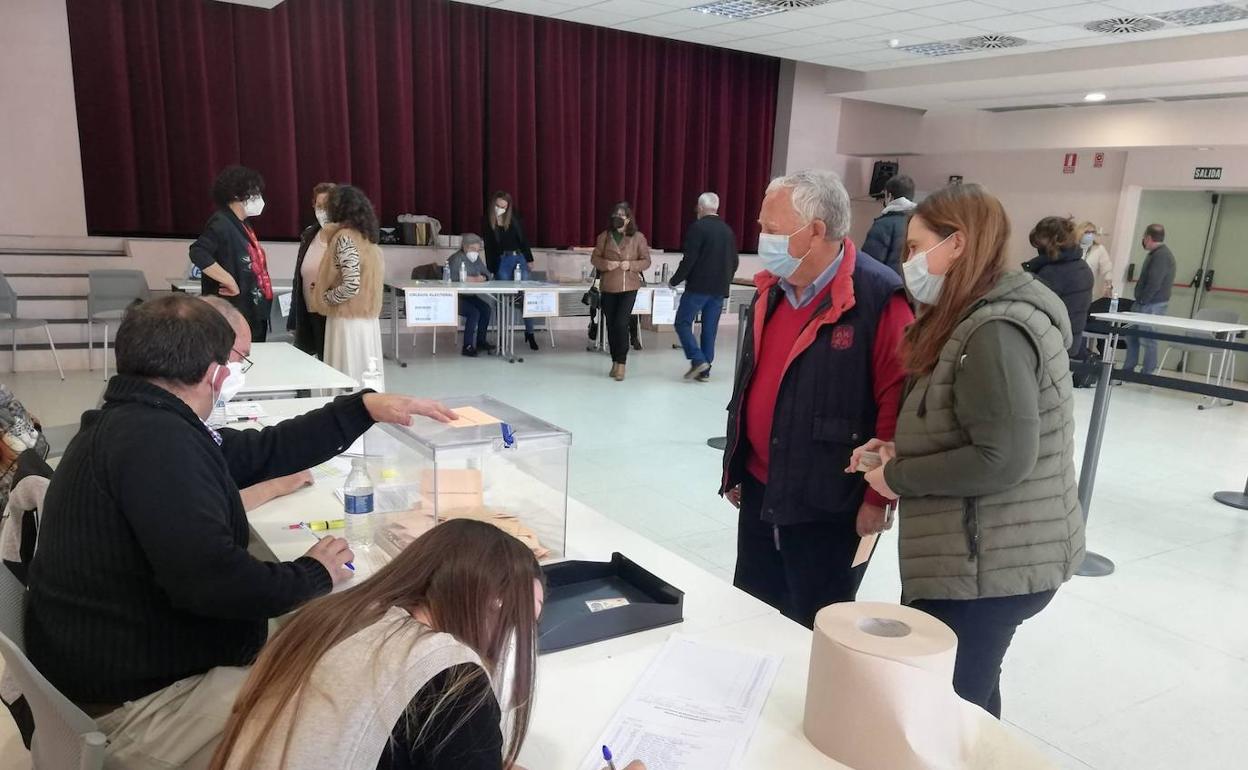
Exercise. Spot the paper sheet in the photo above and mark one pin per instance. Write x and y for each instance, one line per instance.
(334, 468)
(244, 410)
(472, 417)
(695, 708)
(865, 546)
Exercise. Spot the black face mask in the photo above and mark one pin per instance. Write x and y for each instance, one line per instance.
(618, 222)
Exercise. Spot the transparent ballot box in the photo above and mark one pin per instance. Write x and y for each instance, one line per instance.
(495, 464)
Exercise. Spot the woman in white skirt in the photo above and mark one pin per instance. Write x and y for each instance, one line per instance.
(349, 283)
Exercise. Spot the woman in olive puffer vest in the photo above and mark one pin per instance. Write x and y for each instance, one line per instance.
(983, 460)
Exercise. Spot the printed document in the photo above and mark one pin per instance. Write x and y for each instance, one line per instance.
(695, 708)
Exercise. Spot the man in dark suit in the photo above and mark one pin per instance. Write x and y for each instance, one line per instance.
(1152, 294)
(709, 263)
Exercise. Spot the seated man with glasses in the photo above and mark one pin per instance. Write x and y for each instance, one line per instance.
(144, 604)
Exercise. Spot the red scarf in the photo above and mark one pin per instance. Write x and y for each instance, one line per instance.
(259, 263)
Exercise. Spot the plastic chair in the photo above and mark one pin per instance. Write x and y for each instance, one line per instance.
(109, 294)
(1204, 314)
(8, 307)
(64, 736)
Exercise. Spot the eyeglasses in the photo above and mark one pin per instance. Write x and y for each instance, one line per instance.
(247, 362)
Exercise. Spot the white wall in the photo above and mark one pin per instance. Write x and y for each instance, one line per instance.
(40, 166)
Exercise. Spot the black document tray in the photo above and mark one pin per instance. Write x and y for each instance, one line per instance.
(567, 620)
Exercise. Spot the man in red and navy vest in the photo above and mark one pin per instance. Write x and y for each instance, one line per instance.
(820, 372)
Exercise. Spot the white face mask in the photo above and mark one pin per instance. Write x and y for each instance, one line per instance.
(1087, 240)
(322, 217)
(253, 206)
(774, 251)
(232, 384)
(499, 212)
(472, 256)
(923, 285)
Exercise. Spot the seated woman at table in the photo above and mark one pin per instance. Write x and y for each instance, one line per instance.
(466, 265)
(403, 670)
(349, 283)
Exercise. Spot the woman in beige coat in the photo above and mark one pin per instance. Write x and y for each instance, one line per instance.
(1097, 257)
(621, 256)
(349, 283)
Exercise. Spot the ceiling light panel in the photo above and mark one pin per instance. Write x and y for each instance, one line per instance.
(1209, 14)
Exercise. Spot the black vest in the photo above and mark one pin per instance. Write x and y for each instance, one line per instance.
(824, 410)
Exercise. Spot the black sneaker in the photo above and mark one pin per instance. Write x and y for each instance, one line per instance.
(697, 370)
(532, 340)
(703, 377)
(469, 352)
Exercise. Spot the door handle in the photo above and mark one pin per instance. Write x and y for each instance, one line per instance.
(1208, 280)
(1196, 279)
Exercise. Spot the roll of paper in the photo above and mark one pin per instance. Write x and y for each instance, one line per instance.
(880, 692)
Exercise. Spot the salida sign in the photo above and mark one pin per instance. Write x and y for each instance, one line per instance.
(1208, 172)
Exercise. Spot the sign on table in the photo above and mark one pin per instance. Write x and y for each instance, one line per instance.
(428, 307)
(644, 302)
(663, 308)
(541, 304)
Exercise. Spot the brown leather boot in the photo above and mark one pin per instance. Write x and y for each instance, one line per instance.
(615, 369)
(619, 373)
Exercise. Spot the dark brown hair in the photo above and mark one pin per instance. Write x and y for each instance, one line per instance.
(1156, 232)
(627, 208)
(476, 583)
(980, 217)
(1053, 235)
(320, 189)
(174, 338)
(350, 207)
(491, 220)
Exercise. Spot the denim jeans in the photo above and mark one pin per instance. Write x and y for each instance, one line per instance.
(1150, 346)
(507, 272)
(690, 305)
(476, 313)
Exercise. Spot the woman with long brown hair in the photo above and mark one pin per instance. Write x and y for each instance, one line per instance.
(403, 670)
(1059, 265)
(621, 257)
(983, 459)
(506, 249)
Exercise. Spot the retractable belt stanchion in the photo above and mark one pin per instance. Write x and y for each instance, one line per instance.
(1095, 565)
(743, 314)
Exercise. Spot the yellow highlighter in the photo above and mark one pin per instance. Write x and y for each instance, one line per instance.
(320, 526)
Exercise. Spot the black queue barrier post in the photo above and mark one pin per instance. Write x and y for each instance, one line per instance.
(1234, 499)
(1094, 564)
(743, 315)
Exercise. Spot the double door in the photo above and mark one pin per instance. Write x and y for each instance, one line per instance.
(1208, 234)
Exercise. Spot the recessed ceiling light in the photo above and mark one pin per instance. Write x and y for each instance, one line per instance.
(1095, 96)
(894, 43)
(1203, 149)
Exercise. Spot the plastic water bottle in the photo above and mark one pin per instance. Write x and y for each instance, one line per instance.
(1113, 302)
(463, 273)
(372, 376)
(517, 276)
(446, 273)
(357, 506)
(218, 419)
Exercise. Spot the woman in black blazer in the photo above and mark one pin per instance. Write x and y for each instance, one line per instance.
(308, 325)
(233, 262)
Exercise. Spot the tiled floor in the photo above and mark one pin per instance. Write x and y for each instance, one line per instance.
(1147, 668)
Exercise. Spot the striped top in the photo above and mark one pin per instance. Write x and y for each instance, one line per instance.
(347, 260)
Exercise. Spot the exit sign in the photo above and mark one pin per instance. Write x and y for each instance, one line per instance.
(1208, 172)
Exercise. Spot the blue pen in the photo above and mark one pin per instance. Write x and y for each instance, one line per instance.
(606, 756)
(310, 531)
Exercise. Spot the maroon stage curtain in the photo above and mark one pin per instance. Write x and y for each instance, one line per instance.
(427, 105)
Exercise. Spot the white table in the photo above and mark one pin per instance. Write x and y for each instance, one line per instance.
(1219, 330)
(502, 291)
(281, 368)
(193, 286)
(579, 690)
